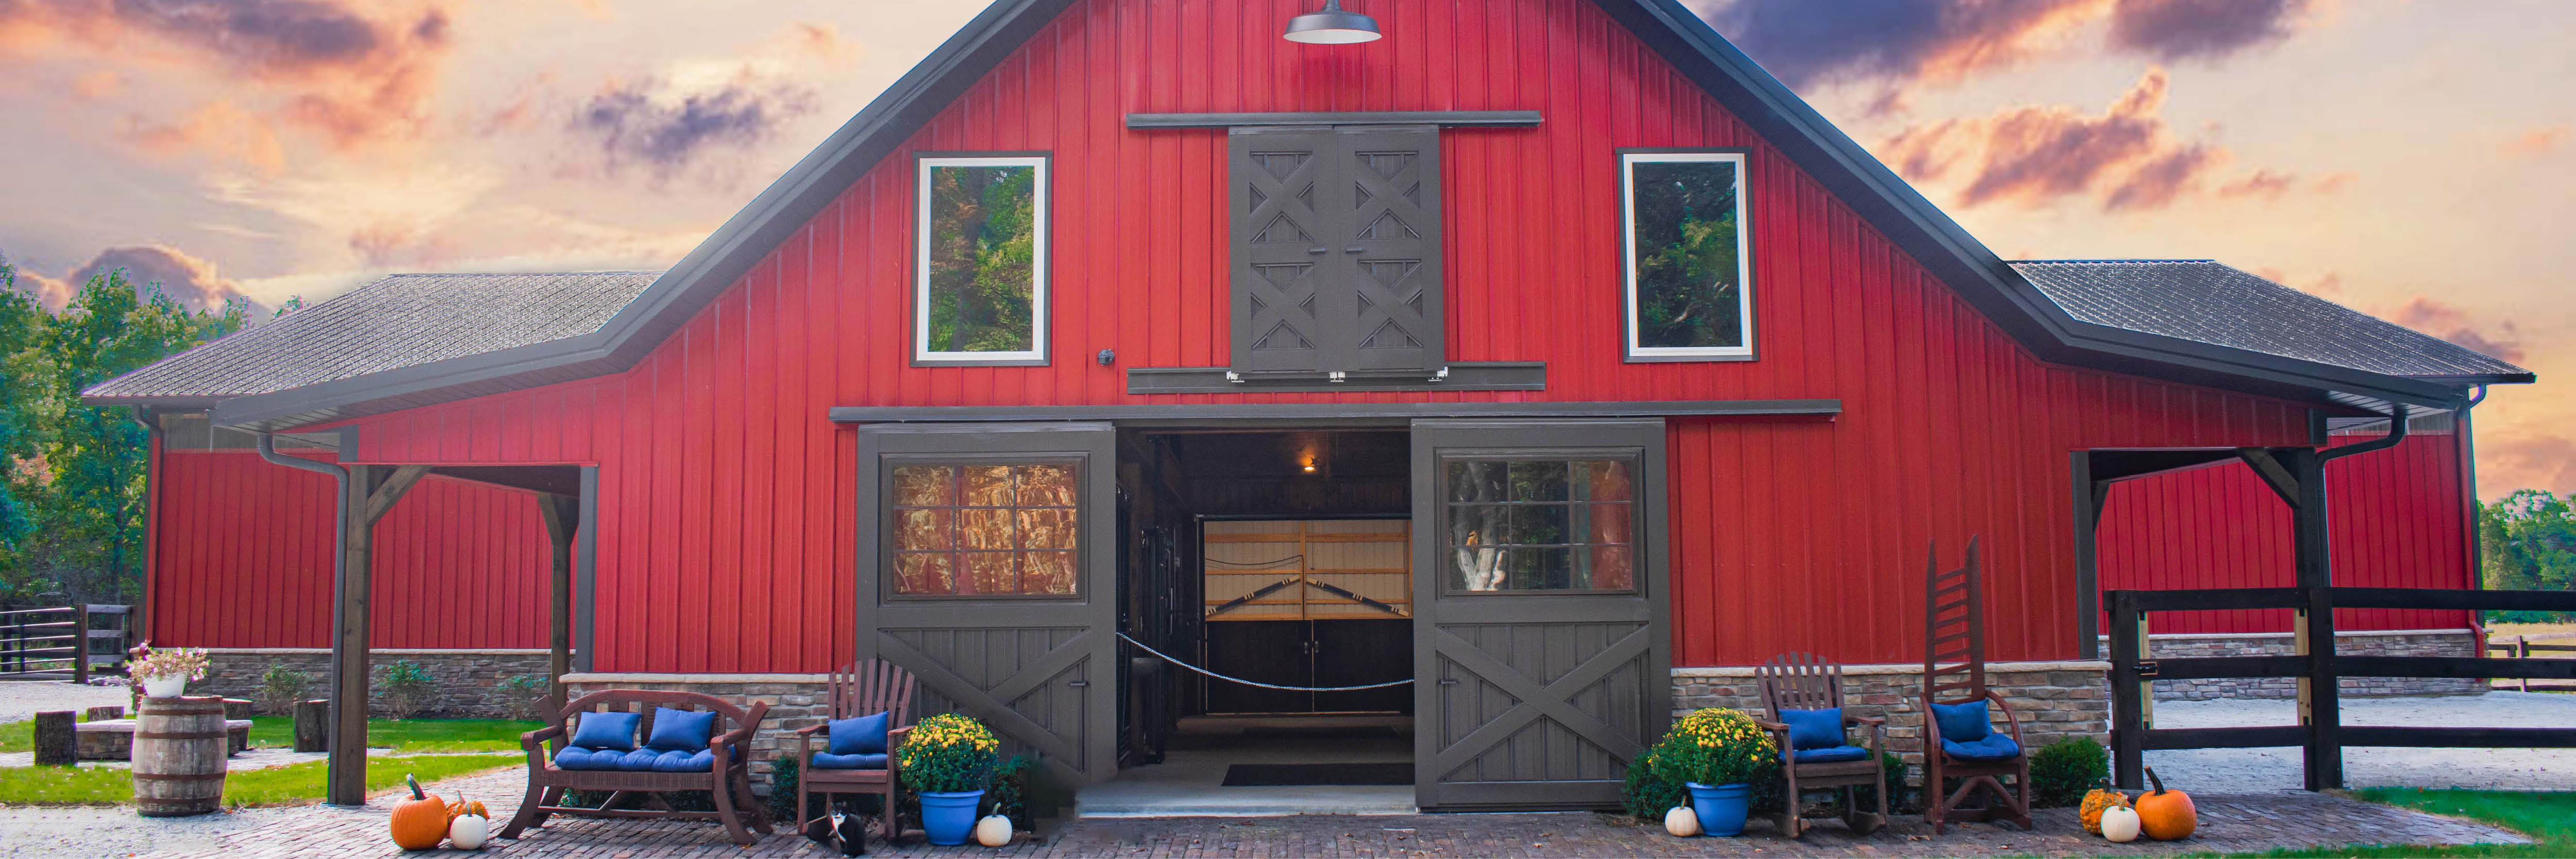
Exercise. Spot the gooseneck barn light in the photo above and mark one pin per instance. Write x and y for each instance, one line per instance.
(1332, 26)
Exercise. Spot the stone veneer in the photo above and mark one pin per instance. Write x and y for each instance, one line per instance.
(2054, 700)
(2403, 642)
(467, 679)
(795, 701)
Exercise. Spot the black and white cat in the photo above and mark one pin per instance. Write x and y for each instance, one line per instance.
(846, 833)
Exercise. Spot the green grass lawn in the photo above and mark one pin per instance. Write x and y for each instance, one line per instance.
(411, 735)
(2549, 817)
(300, 784)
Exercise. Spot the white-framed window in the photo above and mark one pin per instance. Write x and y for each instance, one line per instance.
(980, 260)
(1686, 255)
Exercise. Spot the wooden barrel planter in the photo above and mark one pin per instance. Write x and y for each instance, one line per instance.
(179, 759)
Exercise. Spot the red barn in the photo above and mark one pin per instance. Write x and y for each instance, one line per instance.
(1546, 357)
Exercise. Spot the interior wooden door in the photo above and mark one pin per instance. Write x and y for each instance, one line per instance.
(987, 569)
(1542, 658)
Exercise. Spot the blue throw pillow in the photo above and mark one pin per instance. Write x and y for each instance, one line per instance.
(681, 730)
(1814, 729)
(827, 761)
(865, 735)
(1963, 723)
(1833, 754)
(1992, 747)
(598, 730)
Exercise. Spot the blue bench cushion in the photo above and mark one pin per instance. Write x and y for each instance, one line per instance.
(1993, 747)
(681, 730)
(1829, 754)
(829, 761)
(864, 735)
(583, 758)
(596, 730)
(1814, 729)
(1963, 723)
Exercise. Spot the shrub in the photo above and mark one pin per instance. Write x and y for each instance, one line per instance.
(948, 753)
(404, 687)
(1648, 795)
(2062, 772)
(1716, 746)
(1009, 795)
(520, 695)
(280, 688)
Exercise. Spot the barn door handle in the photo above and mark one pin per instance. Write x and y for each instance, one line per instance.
(1078, 683)
(1448, 681)
(1318, 250)
(1354, 249)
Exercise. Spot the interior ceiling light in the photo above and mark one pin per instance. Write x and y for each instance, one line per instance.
(1332, 26)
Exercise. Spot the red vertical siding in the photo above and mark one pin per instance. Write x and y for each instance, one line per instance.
(724, 485)
(2395, 515)
(243, 559)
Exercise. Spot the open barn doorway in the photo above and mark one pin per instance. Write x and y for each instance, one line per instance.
(1280, 563)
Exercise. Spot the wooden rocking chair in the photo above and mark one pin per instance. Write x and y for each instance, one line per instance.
(1954, 672)
(862, 689)
(1805, 681)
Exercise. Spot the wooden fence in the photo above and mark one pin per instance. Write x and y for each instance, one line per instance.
(2522, 647)
(63, 642)
(2321, 731)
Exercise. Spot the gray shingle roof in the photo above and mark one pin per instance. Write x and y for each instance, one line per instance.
(401, 321)
(2209, 302)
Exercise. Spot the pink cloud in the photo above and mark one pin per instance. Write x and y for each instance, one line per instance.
(2127, 155)
(2515, 462)
(2502, 342)
(2201, 29)
(2537, 142)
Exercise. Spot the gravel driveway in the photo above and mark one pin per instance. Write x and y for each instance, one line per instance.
(20, 700)
(2258, 770)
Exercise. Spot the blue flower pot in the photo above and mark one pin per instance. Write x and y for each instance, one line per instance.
(1721, 807)
(949, 817)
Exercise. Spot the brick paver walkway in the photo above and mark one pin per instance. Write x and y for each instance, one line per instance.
(2228, 824)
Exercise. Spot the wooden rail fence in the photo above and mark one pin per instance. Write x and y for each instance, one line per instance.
(62, 642)
(2522, 647)
(2320, 731)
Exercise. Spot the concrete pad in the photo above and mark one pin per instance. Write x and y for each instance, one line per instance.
(1190, 782)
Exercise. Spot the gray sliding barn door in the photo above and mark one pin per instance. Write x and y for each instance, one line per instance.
(983, 509)
(1542, 657)
(1336, 249)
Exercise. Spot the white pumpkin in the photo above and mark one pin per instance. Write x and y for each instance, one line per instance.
(2120, 823)
(468, 831)
(993, 831)
(1682, 822)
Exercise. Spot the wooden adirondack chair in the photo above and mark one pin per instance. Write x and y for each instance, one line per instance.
(1805, 681)
(861, 689)
(1954, 672)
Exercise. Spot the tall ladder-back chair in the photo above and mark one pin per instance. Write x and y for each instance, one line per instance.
(861, 689)
(1805, 681)
(1954, 673)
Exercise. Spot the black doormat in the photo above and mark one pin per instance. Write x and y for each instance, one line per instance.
(1268, 775)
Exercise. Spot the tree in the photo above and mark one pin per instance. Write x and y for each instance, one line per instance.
(2527, 542)
(89, 535)
(22, 394)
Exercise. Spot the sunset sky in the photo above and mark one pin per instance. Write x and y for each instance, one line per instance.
(2415, 160)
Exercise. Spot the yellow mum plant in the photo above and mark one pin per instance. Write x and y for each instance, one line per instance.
(1715, 746)
(948, 753)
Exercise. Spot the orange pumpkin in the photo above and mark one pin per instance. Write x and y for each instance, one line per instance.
(2100, 799)
(420, 822)
(2166, 815)
(460, 808)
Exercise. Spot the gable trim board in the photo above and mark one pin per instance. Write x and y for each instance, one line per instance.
(1680, 38)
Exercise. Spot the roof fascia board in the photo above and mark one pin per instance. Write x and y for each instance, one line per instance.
(1814, 408)
(1449, 118)
(291, 407)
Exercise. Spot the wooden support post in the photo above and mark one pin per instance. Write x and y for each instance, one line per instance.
(2128, 722)
(562, 516)
(80, 644)
(2522, 650)
(57, 740)
(2321, 690)
(373, 489)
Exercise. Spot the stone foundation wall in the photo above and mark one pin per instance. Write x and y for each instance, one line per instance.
(795, 701)
(2449, 642)
(2054, 700)
(467, 680)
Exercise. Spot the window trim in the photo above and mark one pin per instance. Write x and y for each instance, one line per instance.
(886, 511)
(1036, 355)
(1628, 159)
(1439, 489)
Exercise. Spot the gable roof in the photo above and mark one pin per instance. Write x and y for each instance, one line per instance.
(1672, 31)
(2204, 301)
(402, 321)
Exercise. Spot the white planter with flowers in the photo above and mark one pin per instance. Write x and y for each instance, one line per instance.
(165, 673)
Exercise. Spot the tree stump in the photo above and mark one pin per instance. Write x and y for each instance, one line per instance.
(313, 725)
(57, 743)
(102, 714)
(236, 708)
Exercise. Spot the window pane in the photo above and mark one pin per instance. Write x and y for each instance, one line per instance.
(1045, 485)
(1611, 568)
(986, 529)
(1538, 481)
(1537, 524)
(1540, 524)
(1046, 572)
(1684, 216)
(992, 572)
(983, 232)
(1046, 528)
(924, 485)
(1602, 480)
(1476, 480)
(922, 529)
(924, 573)
(988, 486)
(1609, 524)
(1539, 569)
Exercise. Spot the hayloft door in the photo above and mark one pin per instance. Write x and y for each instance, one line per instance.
(987, 568)
(1336, 250)
(1542, 661)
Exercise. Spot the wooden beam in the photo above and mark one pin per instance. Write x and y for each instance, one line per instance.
(562, 515)
(382, 500)
(2275, 475)
(2088, 497)
(346, 781)
(2320, 691)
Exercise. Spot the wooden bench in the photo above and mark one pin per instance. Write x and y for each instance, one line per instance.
(113, 739)
(728, 779)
